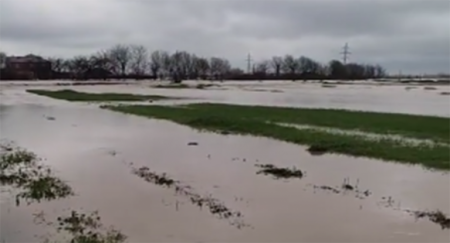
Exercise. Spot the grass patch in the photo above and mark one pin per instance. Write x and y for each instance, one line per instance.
(71, 95)
(412, 126)
(223, 121)
(183, 86)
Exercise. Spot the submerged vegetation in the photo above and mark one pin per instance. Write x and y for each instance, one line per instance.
(214, 206)
(436, 217)
(260, 121)
(279, 173)
(72, 95)
(33, 182)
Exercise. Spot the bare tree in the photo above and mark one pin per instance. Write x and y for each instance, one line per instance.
(277, 65)
(57, 64)
(202, 66)
(120, 56)
(138, 59)
(308, 65)
(78, 67)
(180, 66)
(157, 59)
(262, 67)
(101, 60)
(219, 67)
(380, 72)
(290, 66)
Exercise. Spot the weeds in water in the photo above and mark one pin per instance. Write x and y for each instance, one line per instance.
(149, 176)
(72, 95)
(22, 171)
(444, 93)
(345, 188)
(80, 228)
(214, 206)
(279, 173)
(437, 217)
(430, 88)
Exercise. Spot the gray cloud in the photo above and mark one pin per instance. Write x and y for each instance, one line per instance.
(408, 35)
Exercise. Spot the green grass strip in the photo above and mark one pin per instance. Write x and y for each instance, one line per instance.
(71, 95)
(431, 156)
(412, 126)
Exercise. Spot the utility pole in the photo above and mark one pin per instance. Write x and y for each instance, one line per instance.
(249, 63)
(345, 53)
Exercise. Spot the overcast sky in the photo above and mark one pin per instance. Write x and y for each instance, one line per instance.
(408, 35)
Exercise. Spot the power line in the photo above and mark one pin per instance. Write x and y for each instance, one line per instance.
(345, 53)
(249, 63)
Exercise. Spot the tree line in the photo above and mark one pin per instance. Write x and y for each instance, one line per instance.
(136, 62)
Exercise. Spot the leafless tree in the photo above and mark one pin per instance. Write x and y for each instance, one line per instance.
(101, 60)
(138, 59)
(56, 63)
(308, 65)
(290, 65)
(219, 67)
(380, 72)
(277, 65)
(180, 66)
(120, 56)
(262, 67)
(167, 65)
(157, 62)
(78, 67)
(202, 66)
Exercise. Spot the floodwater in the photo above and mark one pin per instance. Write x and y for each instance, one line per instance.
(94, 151)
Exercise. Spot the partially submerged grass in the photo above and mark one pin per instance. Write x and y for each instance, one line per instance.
(79, 228)
(413, 126)
(31, 181)
(221, 119)
(21, 170)
(183, 86)
(279, 173)
(437, 217)
(71, 95)
(214, 206)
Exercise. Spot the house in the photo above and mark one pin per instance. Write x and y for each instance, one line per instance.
(28, 67)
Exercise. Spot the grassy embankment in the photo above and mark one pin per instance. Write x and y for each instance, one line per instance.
(255, 120)
(71, 95)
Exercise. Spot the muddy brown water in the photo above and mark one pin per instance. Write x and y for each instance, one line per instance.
(95, 149)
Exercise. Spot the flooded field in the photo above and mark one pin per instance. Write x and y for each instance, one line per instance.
(156, 181)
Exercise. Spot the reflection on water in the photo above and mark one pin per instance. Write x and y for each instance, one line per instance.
(92, 150)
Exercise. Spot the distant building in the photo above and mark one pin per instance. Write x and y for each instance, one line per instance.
(28, 67)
